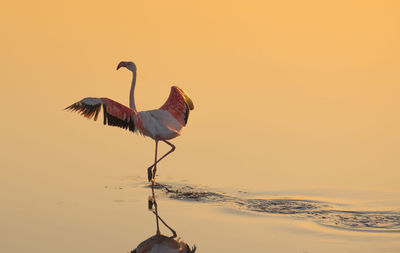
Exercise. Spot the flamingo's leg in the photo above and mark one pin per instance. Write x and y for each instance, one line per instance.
(149, 174)
(157, 161)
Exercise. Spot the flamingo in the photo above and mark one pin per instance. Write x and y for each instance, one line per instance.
(161, 124)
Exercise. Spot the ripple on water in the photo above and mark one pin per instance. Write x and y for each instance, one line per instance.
(323, 213)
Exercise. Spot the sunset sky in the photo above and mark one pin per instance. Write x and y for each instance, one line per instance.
(287, 94)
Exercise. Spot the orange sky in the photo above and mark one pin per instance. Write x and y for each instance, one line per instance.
(287, 93)
(290, 97)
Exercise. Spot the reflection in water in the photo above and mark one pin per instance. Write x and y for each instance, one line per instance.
(323, 213)
(159, 243)
(163, 244)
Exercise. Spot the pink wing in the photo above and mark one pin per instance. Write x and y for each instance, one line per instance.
(115, 114)
(178, 104)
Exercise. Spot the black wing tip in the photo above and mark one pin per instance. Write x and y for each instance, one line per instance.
(92, 111)
(186, 98)
(189, 103)
(111, 120)
(187, 110)
(72, 107)
(189, 106)
(88, 111)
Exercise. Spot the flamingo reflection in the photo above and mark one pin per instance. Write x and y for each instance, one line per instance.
(160, 243)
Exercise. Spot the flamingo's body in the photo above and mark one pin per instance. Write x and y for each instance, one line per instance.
(160, 124)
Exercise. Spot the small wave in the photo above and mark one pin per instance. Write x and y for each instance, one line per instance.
(321, 212)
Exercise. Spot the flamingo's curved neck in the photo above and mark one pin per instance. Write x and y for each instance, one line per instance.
(132, 93)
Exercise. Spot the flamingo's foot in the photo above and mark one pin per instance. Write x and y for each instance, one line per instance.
(154, 172)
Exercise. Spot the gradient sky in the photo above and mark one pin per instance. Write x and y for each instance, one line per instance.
(288, 94)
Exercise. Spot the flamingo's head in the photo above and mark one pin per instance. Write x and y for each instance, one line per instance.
(127, 64)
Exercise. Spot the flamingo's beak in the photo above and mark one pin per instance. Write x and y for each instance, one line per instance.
(121, 64)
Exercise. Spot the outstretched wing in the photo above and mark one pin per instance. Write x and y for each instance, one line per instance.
(115, 114)
(179, 105)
